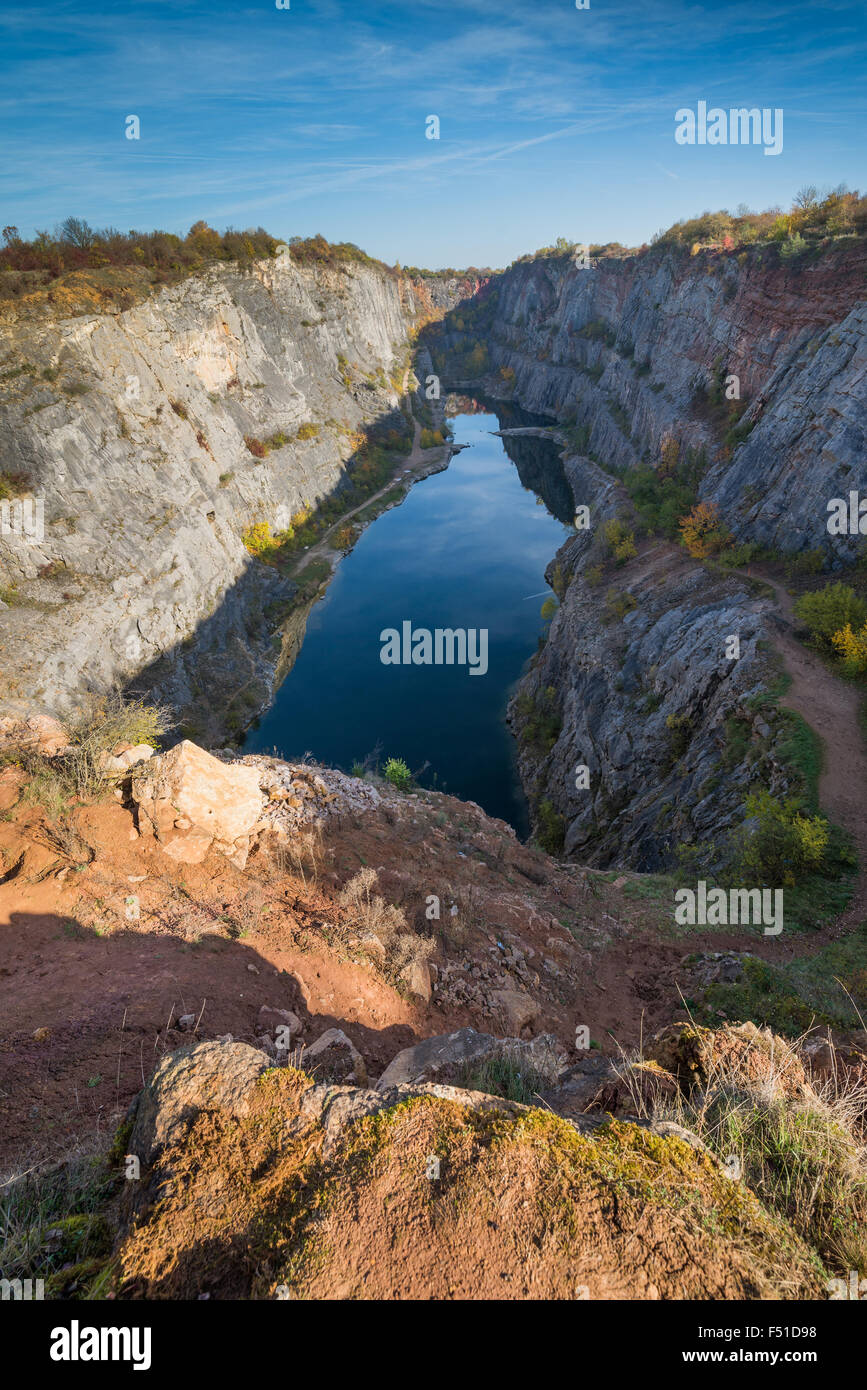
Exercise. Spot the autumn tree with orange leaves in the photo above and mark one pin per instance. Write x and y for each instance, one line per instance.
(703, 532)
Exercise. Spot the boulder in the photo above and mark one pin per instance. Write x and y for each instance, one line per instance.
(447, 1058)
(204, 1076)
(190, 801)
(516, 1009)
(415, 978)
(125, 756)
(40, 733)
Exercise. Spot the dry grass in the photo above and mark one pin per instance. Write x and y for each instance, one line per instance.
(368, 914)
(804, 1158)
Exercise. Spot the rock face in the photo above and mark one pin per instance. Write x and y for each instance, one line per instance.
(753, 1057)
(648, 701)
(634, 683)
(626, 349)
(190, 801)
(132, 427)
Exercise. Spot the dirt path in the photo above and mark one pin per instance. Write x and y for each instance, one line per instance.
(831, 708)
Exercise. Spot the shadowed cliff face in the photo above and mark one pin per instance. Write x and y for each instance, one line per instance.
(135, 429)
(634, 683)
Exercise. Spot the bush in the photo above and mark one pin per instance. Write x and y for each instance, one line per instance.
(662, 496)
(541, 718)
(370, 915)
(830, 610)
(398, 774)
(782, 845)
(793, 246)
(679, 728)
(551, 832)
(307, 431)
(703, 532)
(617, 604)
(620, 540)
(852, 649)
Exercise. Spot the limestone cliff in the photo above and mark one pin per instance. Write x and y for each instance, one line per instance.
(628, 347)
(633, 682)
(135, 429)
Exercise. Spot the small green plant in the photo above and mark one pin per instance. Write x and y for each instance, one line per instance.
(780, 844)
(617, 604)
(398, 774)
(551, 827)
(679, 732)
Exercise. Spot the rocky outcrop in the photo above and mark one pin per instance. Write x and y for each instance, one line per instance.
(427, 1191)
(637, 676)
(452, 1057)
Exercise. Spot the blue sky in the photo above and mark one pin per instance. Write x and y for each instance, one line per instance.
(554, 121)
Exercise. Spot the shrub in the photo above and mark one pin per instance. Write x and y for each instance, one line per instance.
(782, 845)
(808, 562)
(541, 717)
(620, 540)
(344, 538)
(617, 604)
(852, 648)
(369, 914)
(679, 728)
(669, 456)
(256, 447)
(398, 774)
(13, 485)
(662, 497)
(548, 609)
(258, 539)
(793, 246)
(551, 832)
(308, 431)
(703, 532)
(829, 610)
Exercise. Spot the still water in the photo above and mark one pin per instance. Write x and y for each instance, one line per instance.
(467, 549)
